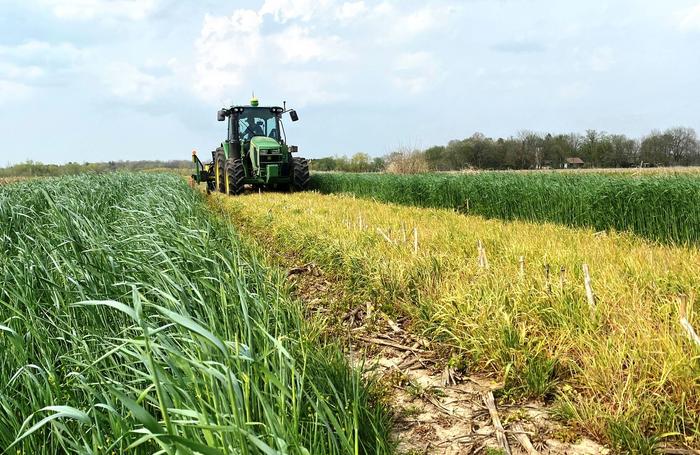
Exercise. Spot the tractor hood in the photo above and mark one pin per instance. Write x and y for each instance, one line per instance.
(264, 143)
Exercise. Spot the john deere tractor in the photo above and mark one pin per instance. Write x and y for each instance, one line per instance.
(255, 153)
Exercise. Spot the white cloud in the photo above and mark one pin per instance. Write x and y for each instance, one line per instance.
(39, 63)
(101, 9)
(298, 41)
(42, 52)
(11, 91)
(309, 87)
(572, 91)
(226, 48)
(384, 8)
(602, 59)
(286, 10)
(690, 18)
(415, 71)
(404, 26)
(419, 21)
(16, 72)
(350, 10)
(136, 85)
(231, 50)
(296, 44)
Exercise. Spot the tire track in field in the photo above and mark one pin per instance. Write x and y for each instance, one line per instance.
(437, 410)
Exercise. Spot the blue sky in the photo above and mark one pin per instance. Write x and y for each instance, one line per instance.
(97, 80)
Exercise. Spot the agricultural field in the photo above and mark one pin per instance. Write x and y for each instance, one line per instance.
(662, 206)
(607, 352)
(132, 320)
(140, 320)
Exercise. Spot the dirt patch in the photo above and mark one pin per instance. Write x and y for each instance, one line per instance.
(436, 409)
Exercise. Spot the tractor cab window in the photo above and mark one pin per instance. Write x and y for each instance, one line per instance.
(258, 122)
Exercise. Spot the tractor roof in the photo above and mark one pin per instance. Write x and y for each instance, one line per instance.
(275, 109)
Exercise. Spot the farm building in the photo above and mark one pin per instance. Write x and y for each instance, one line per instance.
(573, 163)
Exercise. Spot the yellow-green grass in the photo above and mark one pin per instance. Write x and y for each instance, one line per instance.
(170, 170)
(625, 373)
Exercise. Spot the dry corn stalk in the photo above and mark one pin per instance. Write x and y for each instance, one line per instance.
(685, 323)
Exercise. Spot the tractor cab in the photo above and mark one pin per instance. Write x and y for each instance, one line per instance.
(258, 121)
(244, 123)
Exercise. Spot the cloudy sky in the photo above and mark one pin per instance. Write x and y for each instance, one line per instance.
(142, 79)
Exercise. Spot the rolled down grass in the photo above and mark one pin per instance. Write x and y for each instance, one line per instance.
(133, 321)
(623, 372)
(660, 207)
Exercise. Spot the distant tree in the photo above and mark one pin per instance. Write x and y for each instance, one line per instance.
(530, 149)
(656, 149)
(621, 152)
(684, 145)
(360, 162)
(458, 154)
(588, 150)
(511, 152)
(435, 158)
(378, 164)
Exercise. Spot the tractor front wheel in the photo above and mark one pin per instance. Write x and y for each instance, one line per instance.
(234, 177)
(300, 174)
(220, 170)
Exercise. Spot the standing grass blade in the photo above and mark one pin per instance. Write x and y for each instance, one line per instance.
(192, 326)
(58, 413)
(112, 304)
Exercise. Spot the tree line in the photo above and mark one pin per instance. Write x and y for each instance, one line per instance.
(36, 169)
(528, 150)
(359, 162)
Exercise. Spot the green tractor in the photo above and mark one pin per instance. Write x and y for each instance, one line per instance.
(254, 153)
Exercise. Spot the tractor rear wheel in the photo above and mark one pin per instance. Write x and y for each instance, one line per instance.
(234, 177)
(220, 170)
(300, 174)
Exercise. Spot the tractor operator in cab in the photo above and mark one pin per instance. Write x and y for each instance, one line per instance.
(253, 129)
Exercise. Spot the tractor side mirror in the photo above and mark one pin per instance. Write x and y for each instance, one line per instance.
(221, 115)
(293, 115)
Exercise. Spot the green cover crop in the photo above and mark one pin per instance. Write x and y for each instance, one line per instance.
(132, 320)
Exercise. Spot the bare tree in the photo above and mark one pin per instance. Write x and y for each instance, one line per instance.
(406, 161)
(684, 145)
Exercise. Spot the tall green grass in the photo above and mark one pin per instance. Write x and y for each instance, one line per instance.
(664, 208)
(133, 321)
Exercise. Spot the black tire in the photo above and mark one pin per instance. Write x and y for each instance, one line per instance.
(300, 174)
(220, 170)
(234, 177)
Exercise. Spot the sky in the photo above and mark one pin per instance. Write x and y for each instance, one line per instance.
(100, 80)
